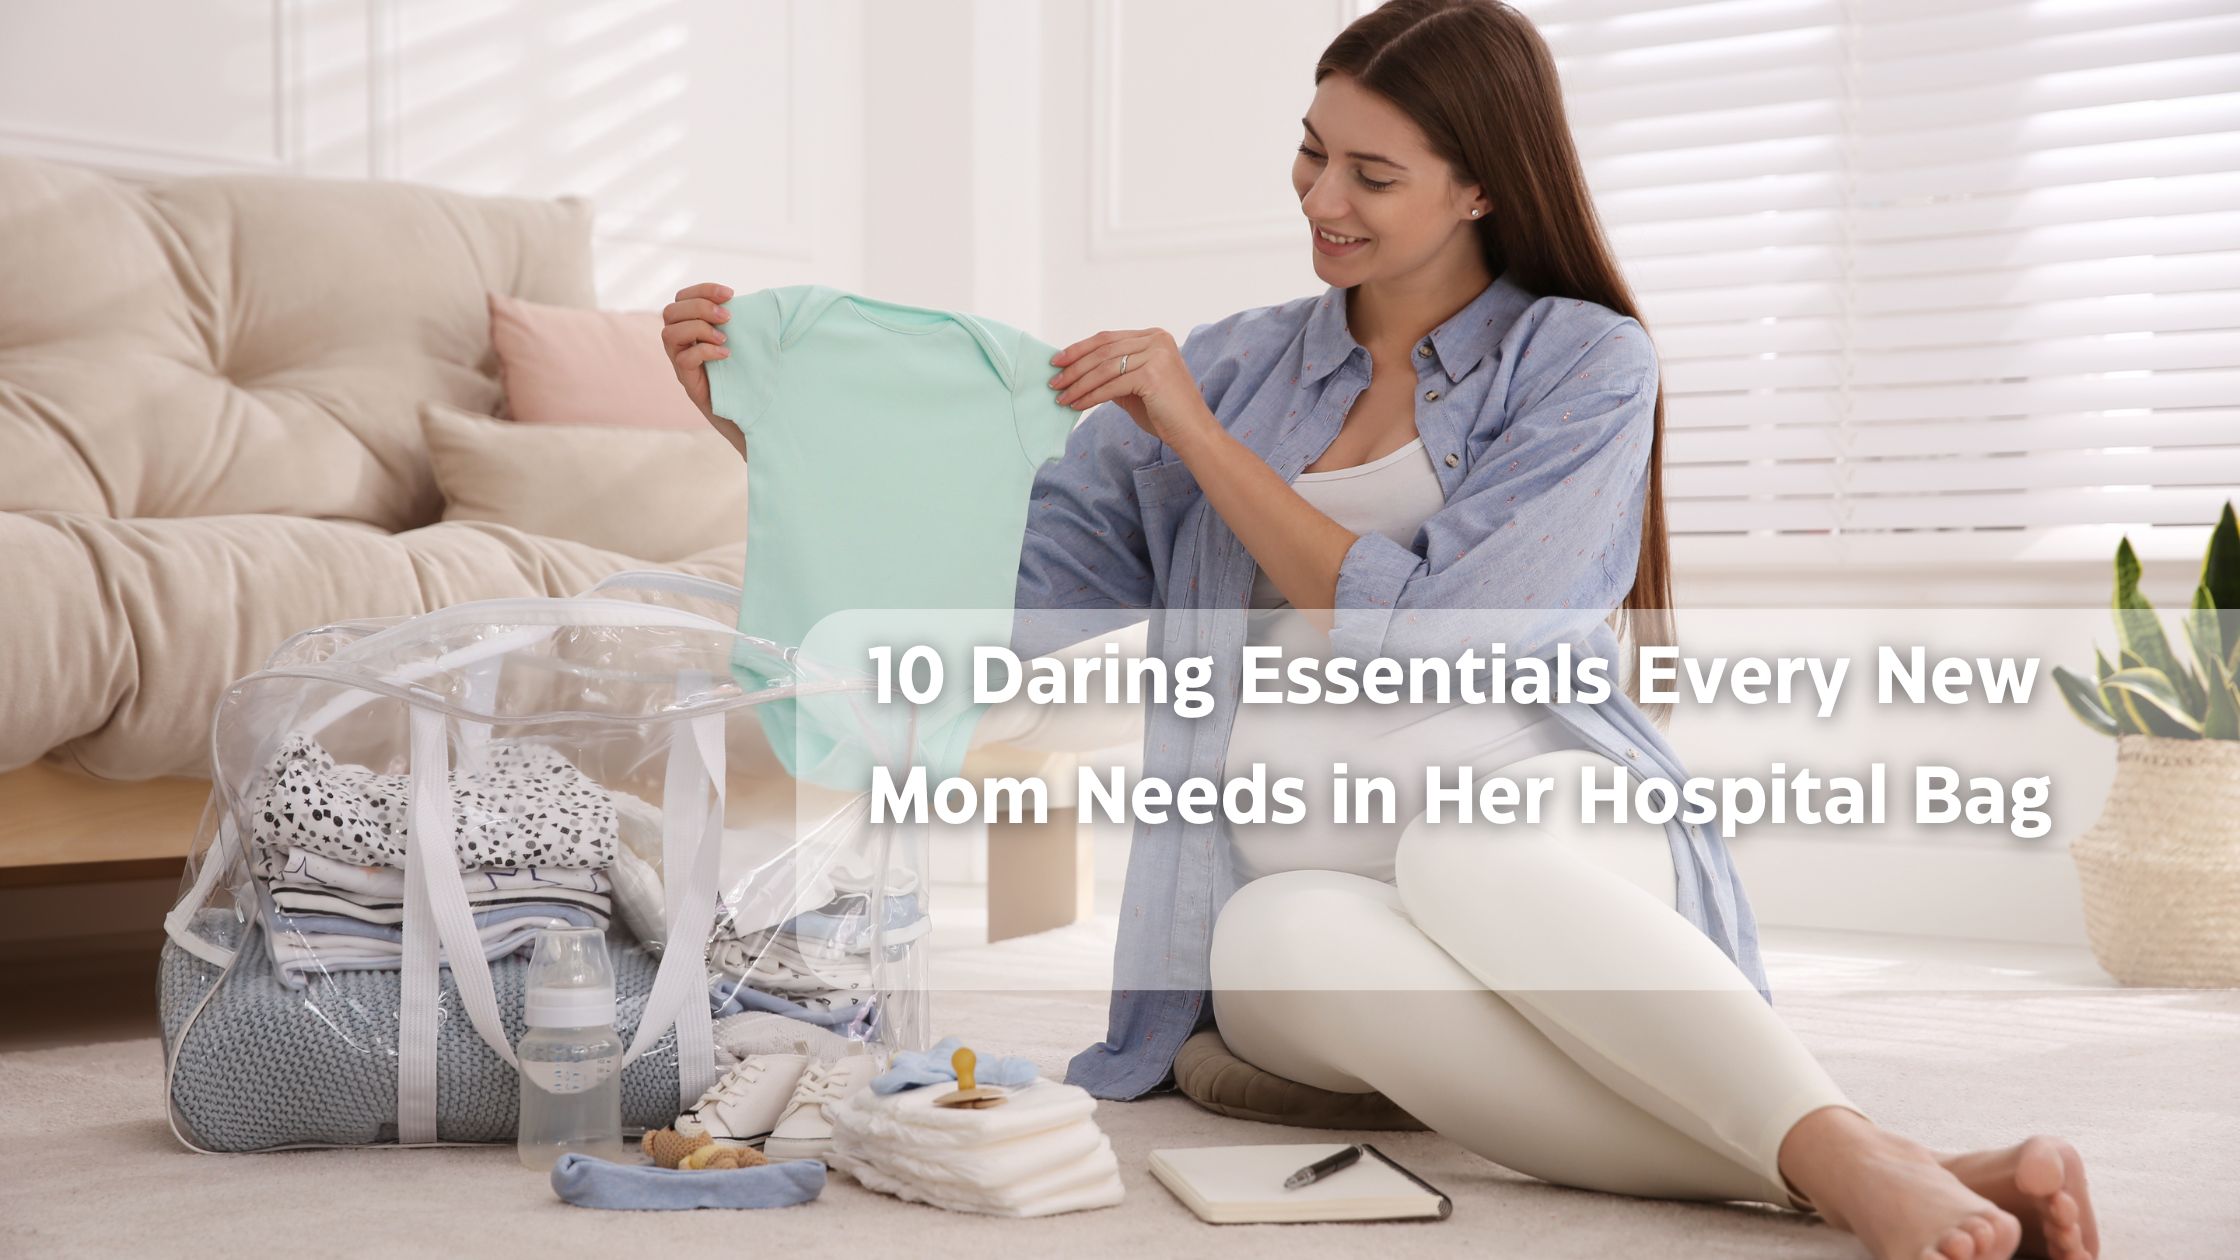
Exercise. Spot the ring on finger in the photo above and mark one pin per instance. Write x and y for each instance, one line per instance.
(1123, 364)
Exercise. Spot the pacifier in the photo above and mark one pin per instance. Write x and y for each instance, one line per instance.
(968, 1092)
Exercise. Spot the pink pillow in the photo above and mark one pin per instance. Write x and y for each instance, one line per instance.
(567, 365)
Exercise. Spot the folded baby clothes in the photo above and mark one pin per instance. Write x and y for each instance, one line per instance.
(839, 920)
(299, 955)
(810, 966)
(1036, 1154)
(295, 957)
(727, 996)
(780, 964)
(525, 805)
(366, 909)
(834, 983)
(554, 912)
(789, 941)
(312, 884)
(300, 868)
(303, 947)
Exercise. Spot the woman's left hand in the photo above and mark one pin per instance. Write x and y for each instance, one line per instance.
(1157, 390)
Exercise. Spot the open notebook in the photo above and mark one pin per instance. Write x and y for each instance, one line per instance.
(1230, 1185)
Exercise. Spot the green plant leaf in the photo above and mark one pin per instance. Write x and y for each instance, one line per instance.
(2222, 721)
(2220, 573)
(2207, 629)
(2139, 630)
(2219, 632)
(2084, 701)
(2127, 723)
(2145, 717)
(2220, 713)
(2162, 700)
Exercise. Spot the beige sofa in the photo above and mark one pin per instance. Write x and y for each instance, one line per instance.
(209, 440)
(209, 435)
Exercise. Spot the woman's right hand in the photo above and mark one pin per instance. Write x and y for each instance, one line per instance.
(690, 337)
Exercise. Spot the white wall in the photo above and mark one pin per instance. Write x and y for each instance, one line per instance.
(1100, 164)
(717, 140)
(1064, 167)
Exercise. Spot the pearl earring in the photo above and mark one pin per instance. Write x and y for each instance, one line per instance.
(1475, 213)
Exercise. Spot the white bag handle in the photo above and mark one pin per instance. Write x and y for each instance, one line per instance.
(692, 815)
(431, 862)
(178, 923)
(692, 830)
(429, 804)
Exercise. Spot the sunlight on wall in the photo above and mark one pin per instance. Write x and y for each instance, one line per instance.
(677, 120)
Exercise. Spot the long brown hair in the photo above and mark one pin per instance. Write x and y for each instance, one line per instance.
(1478, 80)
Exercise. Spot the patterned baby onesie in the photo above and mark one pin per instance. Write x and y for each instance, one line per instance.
(527, 806)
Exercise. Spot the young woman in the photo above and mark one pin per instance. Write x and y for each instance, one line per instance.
(1464, 429)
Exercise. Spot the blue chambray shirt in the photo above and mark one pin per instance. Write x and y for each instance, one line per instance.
(1538, 414)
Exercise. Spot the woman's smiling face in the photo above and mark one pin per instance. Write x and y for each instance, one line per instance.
(1365, 171)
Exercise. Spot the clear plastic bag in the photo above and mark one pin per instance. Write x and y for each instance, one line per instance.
(397, 804)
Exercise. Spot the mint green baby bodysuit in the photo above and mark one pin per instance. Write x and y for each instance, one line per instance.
(891, 451)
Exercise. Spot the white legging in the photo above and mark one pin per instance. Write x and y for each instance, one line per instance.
(1527, 990)
(1655, 1069)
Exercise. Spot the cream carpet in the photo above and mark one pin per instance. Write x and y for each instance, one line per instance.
(2146, 1083)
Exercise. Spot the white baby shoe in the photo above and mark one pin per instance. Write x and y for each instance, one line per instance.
(854, 873)
(805, 1130)
(744, 1106)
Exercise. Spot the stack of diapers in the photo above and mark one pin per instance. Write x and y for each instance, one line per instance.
(1038, 1154)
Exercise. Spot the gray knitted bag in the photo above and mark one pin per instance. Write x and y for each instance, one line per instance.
(258, 1066)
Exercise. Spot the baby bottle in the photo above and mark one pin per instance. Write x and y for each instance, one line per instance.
(571, 1059)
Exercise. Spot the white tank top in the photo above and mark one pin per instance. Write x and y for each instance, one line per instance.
(1391, 496)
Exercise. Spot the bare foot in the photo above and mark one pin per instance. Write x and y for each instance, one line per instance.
(2041, 1181)
(1891, 1192)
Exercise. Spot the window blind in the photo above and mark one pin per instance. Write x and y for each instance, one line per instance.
(1930, 282)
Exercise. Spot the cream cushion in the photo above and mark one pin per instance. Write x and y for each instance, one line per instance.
(658, 494)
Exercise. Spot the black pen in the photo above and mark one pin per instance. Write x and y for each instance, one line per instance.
(1321, 1168)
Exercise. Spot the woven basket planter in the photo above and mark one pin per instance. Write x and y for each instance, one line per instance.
(2160, 869)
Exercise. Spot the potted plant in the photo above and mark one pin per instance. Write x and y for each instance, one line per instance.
(2160, 869)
